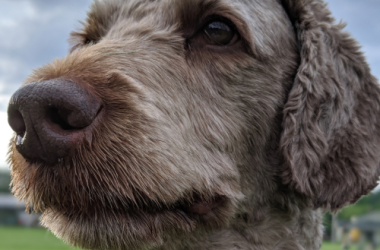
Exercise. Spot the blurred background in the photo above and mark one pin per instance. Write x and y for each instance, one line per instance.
(34, 32)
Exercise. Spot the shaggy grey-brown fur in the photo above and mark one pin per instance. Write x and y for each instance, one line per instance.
(203, 145)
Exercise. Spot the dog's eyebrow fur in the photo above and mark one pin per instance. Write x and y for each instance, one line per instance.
(102, 15)
(188, 16)
(192, 15)
(99, 18)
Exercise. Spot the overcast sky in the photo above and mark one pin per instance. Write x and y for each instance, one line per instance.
(34, 32)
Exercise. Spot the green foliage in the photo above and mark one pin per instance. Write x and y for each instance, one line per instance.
(327, 219)
(364, 205)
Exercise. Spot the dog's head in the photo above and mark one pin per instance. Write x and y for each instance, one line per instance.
(170, 117)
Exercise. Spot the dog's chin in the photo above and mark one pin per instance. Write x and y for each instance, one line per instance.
(137, 229)
(95, 220)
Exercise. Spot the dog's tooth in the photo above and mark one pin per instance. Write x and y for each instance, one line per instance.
(19, 140)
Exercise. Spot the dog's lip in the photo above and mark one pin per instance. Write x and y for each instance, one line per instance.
(203, 207)
(198, 207)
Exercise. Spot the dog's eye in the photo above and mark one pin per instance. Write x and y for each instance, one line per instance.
(220, 33)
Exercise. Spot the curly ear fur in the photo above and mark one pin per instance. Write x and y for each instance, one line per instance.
(331, 124)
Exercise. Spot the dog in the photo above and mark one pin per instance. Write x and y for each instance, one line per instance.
(197, 124)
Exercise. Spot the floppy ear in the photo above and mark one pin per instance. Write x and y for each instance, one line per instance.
(331, 125)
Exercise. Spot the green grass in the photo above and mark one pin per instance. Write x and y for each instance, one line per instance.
(331, 246)
(17, 238)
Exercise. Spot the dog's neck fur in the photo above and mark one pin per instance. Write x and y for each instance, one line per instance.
(278, 218)
(299, 228)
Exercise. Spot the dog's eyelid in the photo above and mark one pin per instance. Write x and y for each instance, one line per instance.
(216, 30)
(87, 41)
(220, 19)
(80, 39)
(220, 33)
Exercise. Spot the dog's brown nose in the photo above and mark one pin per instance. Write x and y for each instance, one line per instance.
(50, 118)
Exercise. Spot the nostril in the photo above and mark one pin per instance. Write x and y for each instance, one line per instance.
(51, 118)
(59, 116)
(17, 123)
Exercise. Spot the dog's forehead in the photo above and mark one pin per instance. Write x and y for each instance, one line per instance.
(174, 12)
(167, 9)
(117, 18)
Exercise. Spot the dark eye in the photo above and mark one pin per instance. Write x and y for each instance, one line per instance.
(220, 33)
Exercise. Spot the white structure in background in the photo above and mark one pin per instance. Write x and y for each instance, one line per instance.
(12, 212)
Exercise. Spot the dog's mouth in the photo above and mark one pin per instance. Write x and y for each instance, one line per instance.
(134, 226)
(203, 207)
(189, 208)
(95, 207)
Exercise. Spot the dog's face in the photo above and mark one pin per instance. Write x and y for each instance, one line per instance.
(187, 100)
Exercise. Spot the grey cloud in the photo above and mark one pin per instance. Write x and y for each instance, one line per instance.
(39, 34)
(363, 22)
(362, 18)
(44, 5)
(31, 40)
(4, 104)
